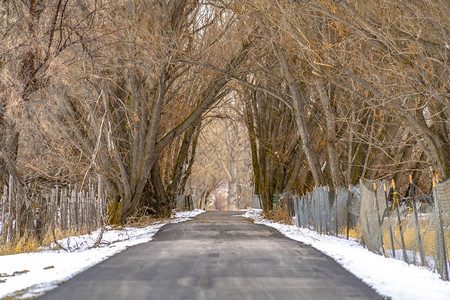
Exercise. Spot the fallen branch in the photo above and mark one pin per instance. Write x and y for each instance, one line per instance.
(99, 238)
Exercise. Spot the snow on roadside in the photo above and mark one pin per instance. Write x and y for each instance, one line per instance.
(389, 277)
(28, 275)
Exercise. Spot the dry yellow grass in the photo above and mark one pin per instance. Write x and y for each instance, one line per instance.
(353, 232)
(30, 243)
(409, 234)
(23, 245)
(410, 237)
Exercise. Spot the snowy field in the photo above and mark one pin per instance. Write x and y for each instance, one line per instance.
(389, 277)
(28, 275)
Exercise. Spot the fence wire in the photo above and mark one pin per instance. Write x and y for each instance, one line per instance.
(414, 227)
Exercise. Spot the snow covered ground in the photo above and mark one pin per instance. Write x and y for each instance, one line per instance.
(31, 274)
(389, 277)
(28, 275)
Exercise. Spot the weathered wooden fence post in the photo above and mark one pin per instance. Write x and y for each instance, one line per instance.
(63, 209)
(5, 192)
(99, 211)
(10, 217)
(51, 202)
(17, 223)
(82, 210)
(48, 211)
(71, 216)
(105, 206)
(57, 207)
(67, 208)
(75, 207)
(92, 212)
(42, 212)
(88, 205)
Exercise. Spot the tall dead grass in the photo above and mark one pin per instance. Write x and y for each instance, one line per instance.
(428, 237)
(31, 243)
(427, 234)
(281, 215)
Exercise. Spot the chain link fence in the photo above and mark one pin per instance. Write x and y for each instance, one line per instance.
(413, 226)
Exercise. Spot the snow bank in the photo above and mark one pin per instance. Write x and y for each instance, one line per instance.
(388, 276)
(31, 274)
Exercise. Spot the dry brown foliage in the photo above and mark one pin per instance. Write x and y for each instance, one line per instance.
(281, 215)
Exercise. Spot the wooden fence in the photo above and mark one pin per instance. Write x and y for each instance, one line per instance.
(28, 212)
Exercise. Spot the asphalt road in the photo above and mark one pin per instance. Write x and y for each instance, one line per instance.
(216, 256)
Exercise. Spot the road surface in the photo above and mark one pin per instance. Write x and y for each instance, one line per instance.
(218, 255)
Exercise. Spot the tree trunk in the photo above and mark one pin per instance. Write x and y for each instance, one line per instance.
(298, 104)
(333, 157)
